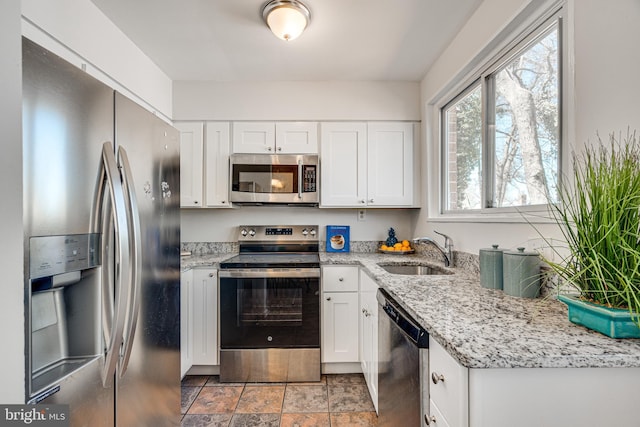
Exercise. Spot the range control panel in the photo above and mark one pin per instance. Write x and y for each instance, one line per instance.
(277, 232)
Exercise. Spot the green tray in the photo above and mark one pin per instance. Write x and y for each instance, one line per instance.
(612, 322)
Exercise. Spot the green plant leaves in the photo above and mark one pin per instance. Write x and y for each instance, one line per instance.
(599, 215)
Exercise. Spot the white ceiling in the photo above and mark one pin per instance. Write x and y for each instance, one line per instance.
(226, 40)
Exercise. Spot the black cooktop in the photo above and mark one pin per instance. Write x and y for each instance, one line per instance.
(272, 260)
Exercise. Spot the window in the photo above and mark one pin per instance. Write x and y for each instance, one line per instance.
(501, 134)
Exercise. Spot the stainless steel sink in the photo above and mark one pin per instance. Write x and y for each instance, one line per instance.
(413, 270)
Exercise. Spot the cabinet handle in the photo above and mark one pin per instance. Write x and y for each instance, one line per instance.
(362, 201)
(210, 274)
(195, 202)
(370, 200)
(279, 148)
(328, 298)
(429, 419)
(341, 279)
(436, 378)
(269, 148)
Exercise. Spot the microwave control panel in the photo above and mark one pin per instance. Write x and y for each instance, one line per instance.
(309, 178)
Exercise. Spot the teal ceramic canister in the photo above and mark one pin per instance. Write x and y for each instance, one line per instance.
(491, 267)
(521, 273)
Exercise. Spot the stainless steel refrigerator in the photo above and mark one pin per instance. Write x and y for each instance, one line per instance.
(102, 237)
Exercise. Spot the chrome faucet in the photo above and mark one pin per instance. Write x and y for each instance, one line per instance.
(447, 251)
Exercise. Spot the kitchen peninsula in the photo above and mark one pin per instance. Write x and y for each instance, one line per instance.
(519, 359)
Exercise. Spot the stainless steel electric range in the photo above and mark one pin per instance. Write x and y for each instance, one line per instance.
(270, 306)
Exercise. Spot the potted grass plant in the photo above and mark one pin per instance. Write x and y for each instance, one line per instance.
(599, 215)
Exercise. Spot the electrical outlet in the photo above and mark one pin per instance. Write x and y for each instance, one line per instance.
(362, 215)
(543, 247)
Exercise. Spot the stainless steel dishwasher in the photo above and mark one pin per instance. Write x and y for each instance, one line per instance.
(402, 361)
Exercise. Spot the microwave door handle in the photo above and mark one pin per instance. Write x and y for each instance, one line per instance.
(300, 179)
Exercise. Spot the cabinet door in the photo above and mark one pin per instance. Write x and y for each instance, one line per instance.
(254, 137)
(448, 385)
(435, 416)
(369, 334)
(390, 164)
(343, 163)
(186, 321)
(340, 327)
(205, 317)
(217, 164)
(190, 164)
(297, 137)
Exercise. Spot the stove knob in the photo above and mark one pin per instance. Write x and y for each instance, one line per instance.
(313, 232)
(243, 232)
(305, 231)
(252, 232)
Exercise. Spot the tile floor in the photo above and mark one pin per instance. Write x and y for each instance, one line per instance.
(336, 400)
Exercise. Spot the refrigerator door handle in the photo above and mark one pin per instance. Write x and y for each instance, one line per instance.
(135, 242)
(113, 312)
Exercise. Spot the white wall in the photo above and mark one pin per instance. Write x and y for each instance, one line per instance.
(79, 32)
(220, 225)
(607, 67)
(295, 101)
(604, 94)
(11, 262)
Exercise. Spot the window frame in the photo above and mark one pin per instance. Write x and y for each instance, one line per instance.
(513, 46)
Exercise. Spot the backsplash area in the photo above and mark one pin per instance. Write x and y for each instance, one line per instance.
(463, 260)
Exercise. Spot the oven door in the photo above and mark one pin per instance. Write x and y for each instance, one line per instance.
(269, 308)
(285, 179)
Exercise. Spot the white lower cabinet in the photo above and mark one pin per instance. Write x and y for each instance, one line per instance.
(340, 314)
(369, 334)
(205, 316)
(186, 321)
(448, 388)
(528, 397)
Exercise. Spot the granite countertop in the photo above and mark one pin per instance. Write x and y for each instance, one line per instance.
(484, 328)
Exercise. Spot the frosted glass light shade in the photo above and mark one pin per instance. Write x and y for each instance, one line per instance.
(286, 19)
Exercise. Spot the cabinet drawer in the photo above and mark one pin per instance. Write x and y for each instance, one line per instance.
(340, 278)
(449, 391)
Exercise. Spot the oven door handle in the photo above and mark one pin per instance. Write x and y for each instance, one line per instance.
(258, 273)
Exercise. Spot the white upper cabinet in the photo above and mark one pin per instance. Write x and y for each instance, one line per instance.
(275, 138)
(343, 164)
(217, 148)
(367, 164)
(190, 164)
(390, 157)
(297, 137)
(254, 137)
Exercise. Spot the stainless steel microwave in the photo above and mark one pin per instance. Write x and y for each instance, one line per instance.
(274, 178)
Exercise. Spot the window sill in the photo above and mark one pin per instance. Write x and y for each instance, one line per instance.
(529, 215)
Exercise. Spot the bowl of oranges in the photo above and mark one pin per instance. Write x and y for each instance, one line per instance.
(400, 248)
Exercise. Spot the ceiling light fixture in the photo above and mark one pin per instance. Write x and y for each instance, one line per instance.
(287, 19)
